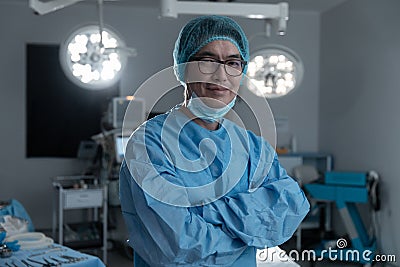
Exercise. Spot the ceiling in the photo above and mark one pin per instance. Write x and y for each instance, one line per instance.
(303, 5)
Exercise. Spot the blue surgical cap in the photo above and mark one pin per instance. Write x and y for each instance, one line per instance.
(202, 30)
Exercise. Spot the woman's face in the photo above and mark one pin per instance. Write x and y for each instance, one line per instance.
(218, 88)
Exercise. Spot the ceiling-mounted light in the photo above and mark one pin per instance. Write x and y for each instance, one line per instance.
(88, 58)
(278, 12)
(274, 71)
(91, 60)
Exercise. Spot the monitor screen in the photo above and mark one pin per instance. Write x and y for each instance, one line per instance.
(59, 114)
(134, 117)
(119, 147)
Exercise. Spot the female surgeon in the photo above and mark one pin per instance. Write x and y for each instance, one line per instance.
(195, 188)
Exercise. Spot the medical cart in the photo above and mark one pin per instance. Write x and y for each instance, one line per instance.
(81, 192)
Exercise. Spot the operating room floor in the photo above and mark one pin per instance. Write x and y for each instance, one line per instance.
(118, 258)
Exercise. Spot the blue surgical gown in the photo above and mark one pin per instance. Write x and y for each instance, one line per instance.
(262, 208)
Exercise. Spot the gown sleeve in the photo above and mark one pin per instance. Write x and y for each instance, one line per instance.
(166, 235)
(265, 217)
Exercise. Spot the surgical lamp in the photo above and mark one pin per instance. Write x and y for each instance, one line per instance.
(278, 12)
(90, 60)
(274, 71)
(93, 56)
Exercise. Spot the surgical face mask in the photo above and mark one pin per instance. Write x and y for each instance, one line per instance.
(206, 113)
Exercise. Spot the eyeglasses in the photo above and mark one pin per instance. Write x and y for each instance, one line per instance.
(208, 65)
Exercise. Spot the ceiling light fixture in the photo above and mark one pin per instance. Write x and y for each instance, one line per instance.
(92, 56)
(90, 60)
(42, 8)
(274, 71)
(278, 12)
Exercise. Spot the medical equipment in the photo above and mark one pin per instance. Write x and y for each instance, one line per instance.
(13, 225)
(5, 252)
(67, 196)
(87, 150)
(278, 12)
(31, 240)
(119, 147)
(46, 263)
(92, 56)
(274, 71)
(13, 217)
(118, 116)
(49, 249)
(42, 8)
(53, 255)
(171, 8)
(93, 61)
(7, 247)
(346, 189)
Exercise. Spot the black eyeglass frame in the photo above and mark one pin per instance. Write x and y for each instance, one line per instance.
(223, 62)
